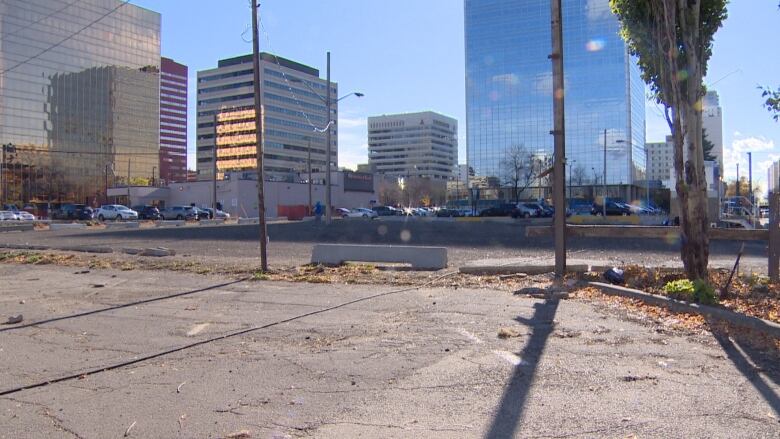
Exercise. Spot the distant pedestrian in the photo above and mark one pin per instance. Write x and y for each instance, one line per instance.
(318, 211)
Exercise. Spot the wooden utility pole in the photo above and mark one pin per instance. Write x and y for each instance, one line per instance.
(259, 135)
(329, 120)
(308, 161)
(559, 165)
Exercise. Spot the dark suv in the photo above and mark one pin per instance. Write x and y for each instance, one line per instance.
(72, 212)
(613, 208)
(499, 210)
(147, 212)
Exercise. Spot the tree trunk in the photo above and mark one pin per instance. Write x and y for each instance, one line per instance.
(695, 242)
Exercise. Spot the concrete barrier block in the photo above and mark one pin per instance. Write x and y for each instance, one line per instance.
(129, 225)
(249, 220)
(425, 258)
(172, 223)
(63, 226)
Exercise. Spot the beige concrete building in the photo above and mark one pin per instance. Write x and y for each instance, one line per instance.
(413, 145)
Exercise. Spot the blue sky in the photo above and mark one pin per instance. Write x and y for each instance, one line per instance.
(407, 55)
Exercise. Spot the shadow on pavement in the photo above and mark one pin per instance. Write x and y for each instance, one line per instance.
(512, 405)
(754, 365)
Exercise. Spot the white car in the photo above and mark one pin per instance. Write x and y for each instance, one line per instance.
(25, 216)
(361, 212)
(7, 215)
(116, 212)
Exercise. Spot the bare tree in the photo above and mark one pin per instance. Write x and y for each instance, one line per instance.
(578, 174)
(518, 170)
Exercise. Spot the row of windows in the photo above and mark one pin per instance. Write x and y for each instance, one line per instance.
(225, 75)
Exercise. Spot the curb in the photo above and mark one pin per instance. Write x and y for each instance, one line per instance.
(756, 323)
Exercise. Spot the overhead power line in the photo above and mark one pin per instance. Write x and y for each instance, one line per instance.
(68, 38)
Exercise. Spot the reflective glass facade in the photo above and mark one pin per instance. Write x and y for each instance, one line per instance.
(79, 100)
(509, 89)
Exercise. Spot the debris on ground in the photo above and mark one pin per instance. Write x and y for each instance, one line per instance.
(508, 333)
(12, 320)
(243, 434)
(614, 276)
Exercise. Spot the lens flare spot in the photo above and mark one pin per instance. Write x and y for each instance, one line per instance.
(382, 230)
(493, 96)
(406, 235)
(682, 75)
(594, 45)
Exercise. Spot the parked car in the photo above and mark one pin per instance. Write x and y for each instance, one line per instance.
(342, 212)
(613, 208)
(465, 211)
(7, 215)
(526, 210)
(582, 209)
(116, 212)
(361, 212)
(504, 209)
(448, 213)
(216, 213)
(25, 216)
(386, 211)
(178, 213)
(73, 212)
(147, 212)
(201, 213)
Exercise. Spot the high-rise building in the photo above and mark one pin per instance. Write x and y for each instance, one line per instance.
(79, 102)
(413, 145)
(773, 177)
(712, 123)
(509, 89)
(660, 159)
(173, 120)
(294, 116)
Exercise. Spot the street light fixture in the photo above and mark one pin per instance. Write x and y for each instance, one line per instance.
(328, 129)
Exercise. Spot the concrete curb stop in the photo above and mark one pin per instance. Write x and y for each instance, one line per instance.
(57, 226)
(85, 249)
(25, 247)
(173, 223)
(157, 252)
(756, 323)
(422, 258)
(529, 269)
(23, 227)
(132, 225)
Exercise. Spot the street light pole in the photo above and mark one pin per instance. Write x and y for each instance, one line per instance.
(259, 137)
(604, 178)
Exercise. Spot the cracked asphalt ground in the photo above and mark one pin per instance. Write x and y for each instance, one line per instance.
(425, 363)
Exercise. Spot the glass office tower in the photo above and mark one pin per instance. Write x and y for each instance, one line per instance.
(79, 97)
(509, 90)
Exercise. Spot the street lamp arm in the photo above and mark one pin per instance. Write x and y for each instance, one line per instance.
(357, 94)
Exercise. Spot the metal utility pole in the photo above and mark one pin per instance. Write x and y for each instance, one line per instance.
(559, 166)
(604, 178)
(259, 136)
(329, 121)
(214, 165)
(308, 161)
(2, 176)
(750, 179)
